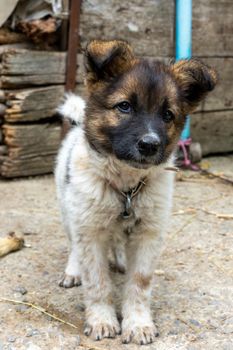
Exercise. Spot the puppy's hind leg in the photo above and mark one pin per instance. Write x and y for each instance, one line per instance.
(72, 275)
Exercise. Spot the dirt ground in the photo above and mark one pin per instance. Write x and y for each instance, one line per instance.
(193, 291)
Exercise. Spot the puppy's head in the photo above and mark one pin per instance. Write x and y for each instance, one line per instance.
(137, 108)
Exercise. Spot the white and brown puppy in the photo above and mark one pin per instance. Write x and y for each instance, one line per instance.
(113, 186)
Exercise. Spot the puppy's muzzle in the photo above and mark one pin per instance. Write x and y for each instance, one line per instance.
(149, 144)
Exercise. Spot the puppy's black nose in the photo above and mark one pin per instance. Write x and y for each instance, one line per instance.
(148, 145)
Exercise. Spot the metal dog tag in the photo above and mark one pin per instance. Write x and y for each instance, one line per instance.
(128, 207)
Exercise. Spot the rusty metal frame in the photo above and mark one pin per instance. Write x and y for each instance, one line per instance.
(73, 44)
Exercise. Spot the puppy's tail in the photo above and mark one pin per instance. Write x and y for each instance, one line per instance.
(73, 108)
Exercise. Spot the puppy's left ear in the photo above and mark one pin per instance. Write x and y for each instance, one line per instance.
(195, 80)
(105, 60)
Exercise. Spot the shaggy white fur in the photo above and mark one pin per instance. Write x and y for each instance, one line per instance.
(73, 108)
(91, 210)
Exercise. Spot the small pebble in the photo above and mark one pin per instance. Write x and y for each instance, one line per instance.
(21, 290)
(32, 332)
(80, 307)
(195, 322)
(173, 332)
(21, 308)
(11, 339)
(32, 346)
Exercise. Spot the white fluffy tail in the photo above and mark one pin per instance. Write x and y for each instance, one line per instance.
(73, 108)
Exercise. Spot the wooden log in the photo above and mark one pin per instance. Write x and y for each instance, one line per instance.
(212, 28)
(214, 131)
(2, 160)
(14, 81)
(2, 96)
(18, 46)
(22, 68)
(9, 37)
(3, 150)
(27, 167)
(2, 109)
(33, 104)
(147, 25)
(31, 148)
(29, 137)
(31, 62)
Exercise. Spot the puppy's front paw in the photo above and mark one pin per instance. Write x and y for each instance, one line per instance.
(102, 330)
(139, 334)
(69, 281)
(102, 323)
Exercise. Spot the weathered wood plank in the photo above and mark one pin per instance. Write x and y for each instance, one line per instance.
(18, 46)
(27, 167)
(222, 96)
(14, 81)
(147, 25)
(2, 160)
(1, 136)
(31, 148)
(44, 136)
(29, 62)
(212, 27)
(2, 96)
(10, 37)
(3, 150)
(214, 131)
(2, 109)
(46, 68)
(33, 104)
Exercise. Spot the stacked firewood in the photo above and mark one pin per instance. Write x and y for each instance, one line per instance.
(31, 88)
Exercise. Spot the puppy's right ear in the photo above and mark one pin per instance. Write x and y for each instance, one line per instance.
(105, 60)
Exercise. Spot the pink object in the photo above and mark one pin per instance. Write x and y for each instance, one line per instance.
(184, 144)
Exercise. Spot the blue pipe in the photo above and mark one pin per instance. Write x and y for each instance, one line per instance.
(184, 41)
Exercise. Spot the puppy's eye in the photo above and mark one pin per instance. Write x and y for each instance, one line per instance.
(168, 116)
(124, 107)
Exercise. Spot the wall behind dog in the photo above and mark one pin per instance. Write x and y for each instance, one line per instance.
(149, 27)
(29, 130)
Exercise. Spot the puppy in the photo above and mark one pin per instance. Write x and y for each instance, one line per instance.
(113, 182)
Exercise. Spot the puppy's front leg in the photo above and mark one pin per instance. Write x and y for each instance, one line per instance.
(101, 320)
(138, 326)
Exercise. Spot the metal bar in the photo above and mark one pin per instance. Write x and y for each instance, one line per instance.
(71, 61)
(184, 41)
(75, 6)
(64, 26)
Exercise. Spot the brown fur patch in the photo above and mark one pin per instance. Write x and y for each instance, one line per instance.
(142, 281)
(195, 79)
(105, 59)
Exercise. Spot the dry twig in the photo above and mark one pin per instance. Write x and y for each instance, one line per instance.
(187, 222)
(56, 318)
(39, 308)
(218, 215)
(217, 176)
(185, 211)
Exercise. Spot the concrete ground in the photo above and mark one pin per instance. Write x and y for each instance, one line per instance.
(193, 291)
